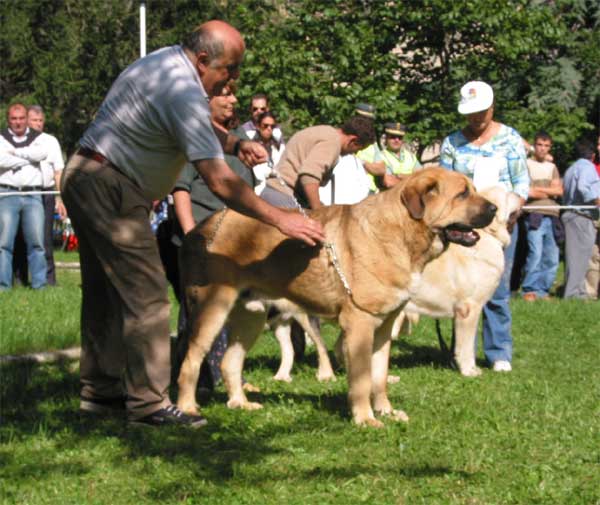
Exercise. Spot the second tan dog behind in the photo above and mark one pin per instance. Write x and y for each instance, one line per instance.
(460, 282)
(382, 245)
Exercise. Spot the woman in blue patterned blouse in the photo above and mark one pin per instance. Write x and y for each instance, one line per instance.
(490, 153)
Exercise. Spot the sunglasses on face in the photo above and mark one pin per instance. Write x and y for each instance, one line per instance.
(396, 137)
(256, 109)
(267, 125)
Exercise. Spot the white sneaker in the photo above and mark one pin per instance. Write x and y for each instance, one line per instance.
(502, 366)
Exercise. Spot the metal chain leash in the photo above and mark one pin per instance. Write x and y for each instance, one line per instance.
(329, 246)
(211, 238)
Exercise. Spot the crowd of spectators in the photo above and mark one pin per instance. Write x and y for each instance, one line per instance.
(31, 164)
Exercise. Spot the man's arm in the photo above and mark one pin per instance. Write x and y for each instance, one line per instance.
(234, 191)
(8, 161)
(249, 152)
(311, 192)
(554, 190)
(183, 209)
(376, 168)
(60, 206)
(33, 153)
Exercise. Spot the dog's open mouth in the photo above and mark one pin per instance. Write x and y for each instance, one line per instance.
(460, 234)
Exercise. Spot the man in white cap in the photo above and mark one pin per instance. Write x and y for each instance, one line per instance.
(491, 154)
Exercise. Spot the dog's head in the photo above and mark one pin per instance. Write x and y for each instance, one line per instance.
(447, 203)
(507, 202)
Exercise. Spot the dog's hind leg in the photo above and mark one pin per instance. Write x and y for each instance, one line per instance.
(283, 335)
(246, 323)
(325, 372)
(208, 310)
(379, 372)
(466, 331)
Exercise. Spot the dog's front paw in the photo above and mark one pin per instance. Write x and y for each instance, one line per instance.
(470, 371)
(243, 404)
(188, 407)
(397, 415)
(393, 379)
(283, 377)
(369, 422)
(328, 376)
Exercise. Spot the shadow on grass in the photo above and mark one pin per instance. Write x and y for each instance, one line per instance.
(42, 400)
(413, 356)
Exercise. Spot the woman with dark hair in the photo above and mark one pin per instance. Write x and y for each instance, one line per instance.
(266, 125)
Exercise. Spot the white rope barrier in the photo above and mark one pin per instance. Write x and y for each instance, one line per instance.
(561, 207)
(24, 193)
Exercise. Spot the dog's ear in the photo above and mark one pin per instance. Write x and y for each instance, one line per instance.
(414, 195)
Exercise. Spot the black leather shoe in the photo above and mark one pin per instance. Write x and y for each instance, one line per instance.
(171, 416)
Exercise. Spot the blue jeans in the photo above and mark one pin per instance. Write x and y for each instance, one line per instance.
(29, 211)
(497, 319)
(542, 258)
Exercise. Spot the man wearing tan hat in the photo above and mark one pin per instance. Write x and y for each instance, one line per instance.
(399, 160)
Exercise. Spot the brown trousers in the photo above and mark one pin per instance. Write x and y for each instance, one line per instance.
(125, 308)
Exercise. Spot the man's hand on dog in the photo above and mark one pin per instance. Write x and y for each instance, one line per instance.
(297, 226)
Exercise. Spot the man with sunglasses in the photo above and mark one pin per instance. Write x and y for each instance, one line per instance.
(154, 119)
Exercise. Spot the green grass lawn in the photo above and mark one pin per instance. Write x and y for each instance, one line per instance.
(528, 437)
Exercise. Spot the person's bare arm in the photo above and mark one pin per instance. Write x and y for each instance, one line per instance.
(183, 209)
(249, 152)
(555, 189)
(234, 191)
(536, 193)
(60, 206)
(376, 168)
(390, 180)
(311, 192)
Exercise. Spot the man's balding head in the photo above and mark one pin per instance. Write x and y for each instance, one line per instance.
(213, 37)
(217, 50)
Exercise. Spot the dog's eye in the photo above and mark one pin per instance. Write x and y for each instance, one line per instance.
(464, 194)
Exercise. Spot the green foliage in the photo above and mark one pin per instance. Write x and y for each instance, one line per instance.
(317, 58)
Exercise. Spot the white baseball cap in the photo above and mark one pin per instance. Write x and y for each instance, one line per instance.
(475, 96)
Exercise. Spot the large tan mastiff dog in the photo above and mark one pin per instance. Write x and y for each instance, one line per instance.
(382, 245)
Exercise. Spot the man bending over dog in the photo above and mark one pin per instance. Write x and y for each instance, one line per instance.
(154, 118)
(309, 159)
